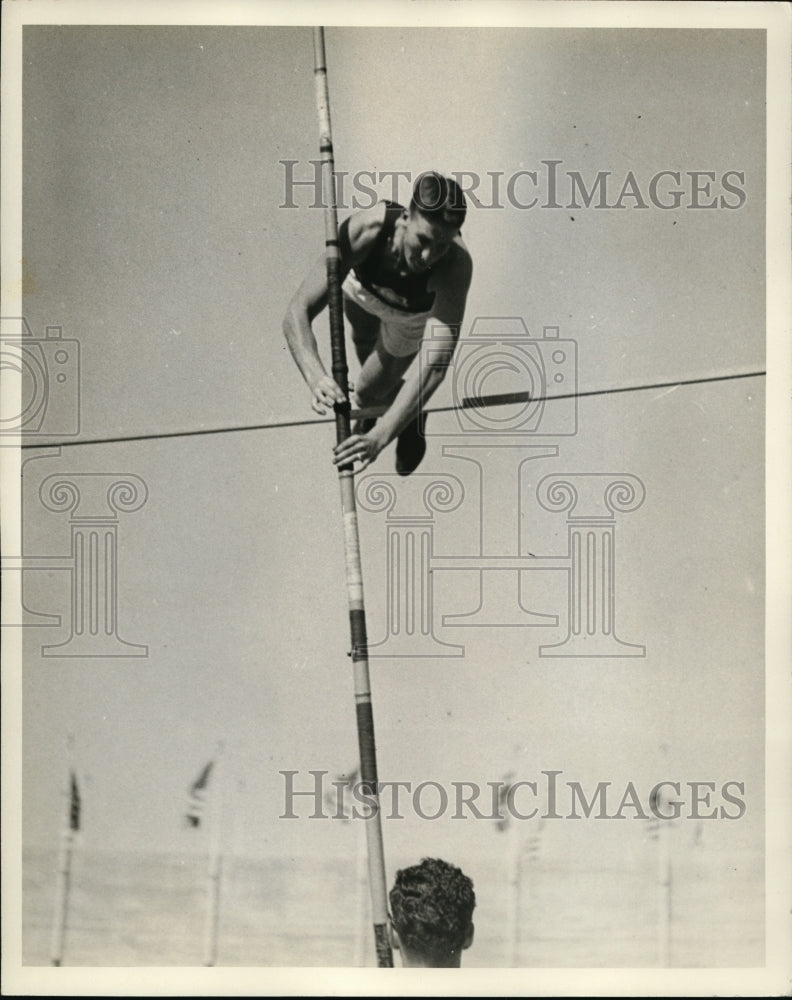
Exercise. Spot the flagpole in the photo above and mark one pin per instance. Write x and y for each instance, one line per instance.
(507, 822)
(65, 849)
(515, 884)
(664, 868)
(354, 573)
(664, 892)
(61, 896)
(215, 867)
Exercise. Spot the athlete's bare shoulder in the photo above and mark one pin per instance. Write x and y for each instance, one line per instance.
(364, 226)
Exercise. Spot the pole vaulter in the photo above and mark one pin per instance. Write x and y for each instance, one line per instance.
(354, 573)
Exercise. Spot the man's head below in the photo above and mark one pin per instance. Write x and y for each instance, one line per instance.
(431, 914)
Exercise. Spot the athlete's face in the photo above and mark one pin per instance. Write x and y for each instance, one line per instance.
(425, 242)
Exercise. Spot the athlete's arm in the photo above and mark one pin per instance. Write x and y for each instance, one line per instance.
(361, 229)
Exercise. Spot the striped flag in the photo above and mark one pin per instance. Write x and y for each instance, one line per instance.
(197, 797)
(75, 802)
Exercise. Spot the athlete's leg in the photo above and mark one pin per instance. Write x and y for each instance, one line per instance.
(381, 376)
(366, 332)
(386, 352)
(365, 329)
(411, 445)
(380, 382)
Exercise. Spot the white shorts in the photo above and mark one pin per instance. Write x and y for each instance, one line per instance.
(401, 332)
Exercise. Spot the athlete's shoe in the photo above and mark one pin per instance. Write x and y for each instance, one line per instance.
(411, 446)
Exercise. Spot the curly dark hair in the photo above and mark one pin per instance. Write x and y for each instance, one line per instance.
(439, 198)
(432, 905)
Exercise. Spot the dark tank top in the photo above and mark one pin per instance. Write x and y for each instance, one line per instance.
(407, 293)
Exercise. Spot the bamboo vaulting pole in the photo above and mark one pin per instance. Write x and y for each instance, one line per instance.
(354, 574)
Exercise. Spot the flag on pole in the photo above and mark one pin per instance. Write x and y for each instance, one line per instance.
(654, 819)
(75, 803)
(197, 797)
(334, 801)
(503, 811)
(63, 885)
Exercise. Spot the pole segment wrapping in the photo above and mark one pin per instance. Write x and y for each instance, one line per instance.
(354, 572)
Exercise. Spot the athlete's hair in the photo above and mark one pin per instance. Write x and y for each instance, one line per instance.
(439, 198)
(432, 905)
